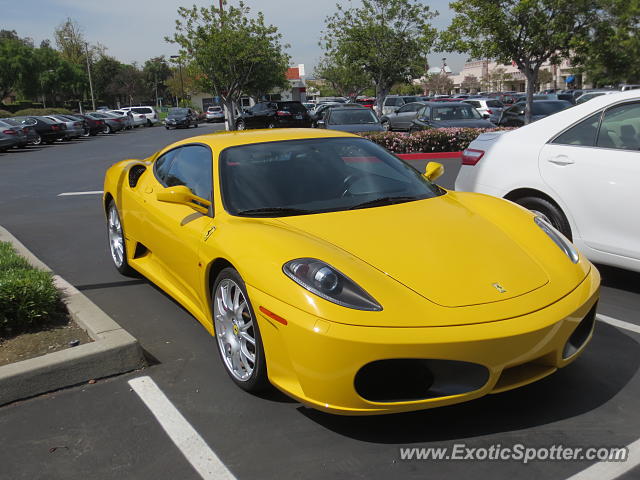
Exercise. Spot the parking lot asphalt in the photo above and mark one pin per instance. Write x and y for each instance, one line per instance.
(104, 430)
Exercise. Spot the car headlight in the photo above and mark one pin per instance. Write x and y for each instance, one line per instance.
(325, 281)
(559, 239)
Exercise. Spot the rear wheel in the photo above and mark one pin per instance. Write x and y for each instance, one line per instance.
(386, 126)
(549, 211)
(107, 129)
(240, 125)
(117, 246)
(237, 333)
(149, 123)
(37, 140)
(271, 125)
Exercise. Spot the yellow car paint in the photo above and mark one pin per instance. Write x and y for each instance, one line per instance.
(432, 264)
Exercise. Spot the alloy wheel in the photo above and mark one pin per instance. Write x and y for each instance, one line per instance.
(116, 239)
(234, 330)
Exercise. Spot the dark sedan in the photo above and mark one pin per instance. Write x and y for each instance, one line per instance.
(181, 118)
(18, 131)
(514, 116)
(448, 115)
(7, 140)
(275, 115)
(47, 130)
(355, 120)
(29, 131)
(94, 125)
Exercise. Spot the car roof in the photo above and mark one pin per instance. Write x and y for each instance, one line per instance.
(446, 104)
(221, 140)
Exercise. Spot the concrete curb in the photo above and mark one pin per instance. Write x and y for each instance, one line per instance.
(112, 351)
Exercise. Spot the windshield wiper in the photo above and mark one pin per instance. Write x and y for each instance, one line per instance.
(384, 201)
(277, 211)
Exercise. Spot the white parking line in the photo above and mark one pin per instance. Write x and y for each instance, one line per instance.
(71, 194)
(618, 323)
(188, 441)
(611, 470)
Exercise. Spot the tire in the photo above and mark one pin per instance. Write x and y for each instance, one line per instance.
(86, 133)
(167, 128)
(386, 125)
(195, 125)
(107, 129)
(149, 123)
(549, 211)
(240, 125)
(235, 350)
(37, 140)
(117, 245)
(271, 125)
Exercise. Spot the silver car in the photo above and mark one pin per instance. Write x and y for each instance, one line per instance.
(401, 118)
(129, 122)
(75, 128)
(215, 114)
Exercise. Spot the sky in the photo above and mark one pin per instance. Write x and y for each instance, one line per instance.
(134, 30)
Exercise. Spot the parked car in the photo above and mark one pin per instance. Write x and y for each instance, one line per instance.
(356, 120)
(215, 114)
(489, 108)
(47, 130)
(352, 282)
(392, 102)
(402, 118)
(274, 115)
(112, 123)
(626, 86)
(318, 114)
(29, 131)
(578, 169)
(75, 128)
(510, 98)
(514, 115)
(8, 139)
(129, 122)
(309, 106)
(150, 114)
(591, 94)
(448, 115)
(15, 130)
(368, 102)
(181, 118)
(94, 125)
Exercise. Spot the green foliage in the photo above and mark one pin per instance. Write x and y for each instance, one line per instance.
(438, 83)
(344, 79)
(233, 51)
(28, 112)
(5, 114)
(609, 55)
(428, 141)
(28, 297)
(528, 32)
(16, 62)
(386, 39)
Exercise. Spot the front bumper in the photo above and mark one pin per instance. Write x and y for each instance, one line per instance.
(317, 361)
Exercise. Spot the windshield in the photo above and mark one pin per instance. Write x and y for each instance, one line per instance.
(178, 112)
(547, 108)
(11, 121)
(456, 112)
(141, 110)
(316, 175)
(352, 117)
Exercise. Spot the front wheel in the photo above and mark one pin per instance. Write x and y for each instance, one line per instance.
(117, 246)
(548, 211)
(240, 125)
(237, 333)
(385, 125)
(37, 140)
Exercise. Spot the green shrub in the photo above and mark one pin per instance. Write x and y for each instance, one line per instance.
(28, 297)
(428, 141)
(42, 111)
(5, 114)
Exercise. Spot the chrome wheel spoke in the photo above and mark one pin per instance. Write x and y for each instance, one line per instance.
(248, 338)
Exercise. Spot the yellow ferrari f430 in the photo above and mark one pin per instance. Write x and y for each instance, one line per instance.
(327, 267)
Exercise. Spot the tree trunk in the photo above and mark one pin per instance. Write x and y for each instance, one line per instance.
(381, 94)
(229, 113)
(531, 77)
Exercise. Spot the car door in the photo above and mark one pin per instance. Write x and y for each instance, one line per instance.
(405, 115)
(174, 233)
(512, 116)
(594, 168)
(251, 117)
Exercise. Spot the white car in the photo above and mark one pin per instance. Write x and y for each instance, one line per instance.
(150, 114)
(215, 114)
(578, 168)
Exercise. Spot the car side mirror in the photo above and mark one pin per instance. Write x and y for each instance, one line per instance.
(182, 195)
(433, 171)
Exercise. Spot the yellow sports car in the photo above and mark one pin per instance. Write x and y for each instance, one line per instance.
(329, 268)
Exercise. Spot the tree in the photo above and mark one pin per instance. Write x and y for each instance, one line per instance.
(438, 83)
(470, 82)
(544, 77)
(104, 73)
(230, 48)
(609, 55)
(156, 72)
(499, 76)
(387, 39)
(16, 62)
(528, 32)
(345, 80)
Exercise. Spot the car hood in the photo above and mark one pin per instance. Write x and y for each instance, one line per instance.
(438, 247)
(462, 124)
(360, 127)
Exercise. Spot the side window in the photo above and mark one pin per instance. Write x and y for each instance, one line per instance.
(191, 166)
(620, 127)
(162, 164)
(473, 103)
(405, 109)
(583, 133)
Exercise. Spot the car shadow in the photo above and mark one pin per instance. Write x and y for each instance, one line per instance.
(608, 364)
(619, 278)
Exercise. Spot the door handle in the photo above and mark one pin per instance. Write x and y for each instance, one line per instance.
(561, 160)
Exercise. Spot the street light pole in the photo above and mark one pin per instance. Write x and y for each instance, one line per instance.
(93, 100)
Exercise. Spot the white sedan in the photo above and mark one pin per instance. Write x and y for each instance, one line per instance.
(579, 168)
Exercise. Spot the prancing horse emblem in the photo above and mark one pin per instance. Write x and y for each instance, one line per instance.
(498, 287)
